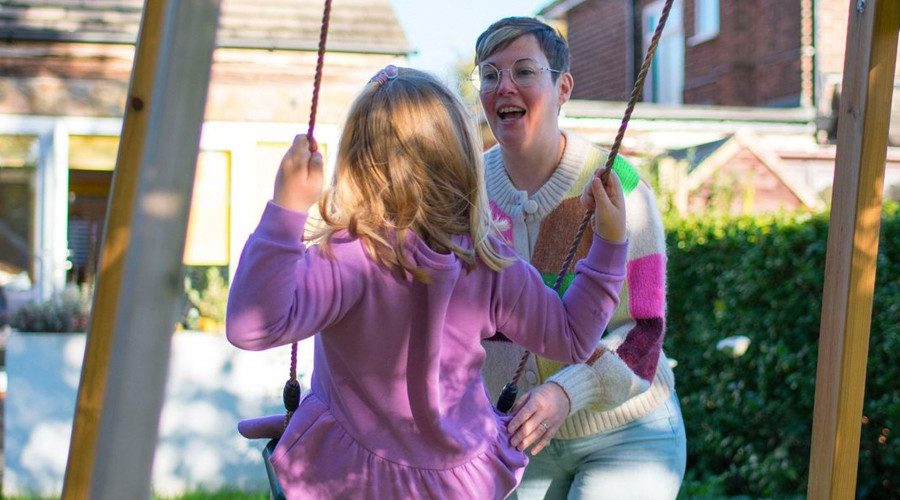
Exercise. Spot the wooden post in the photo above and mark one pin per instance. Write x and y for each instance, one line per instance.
(116, 235)
(870, 59)
(140, 281)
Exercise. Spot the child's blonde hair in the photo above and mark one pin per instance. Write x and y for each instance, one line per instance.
(409, 160)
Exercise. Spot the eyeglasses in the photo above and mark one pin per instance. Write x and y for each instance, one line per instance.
(524, 73)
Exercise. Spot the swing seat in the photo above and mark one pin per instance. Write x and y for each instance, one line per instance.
(271, 427)
(274, 485)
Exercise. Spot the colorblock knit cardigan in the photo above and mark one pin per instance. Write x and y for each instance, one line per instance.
(631, 376)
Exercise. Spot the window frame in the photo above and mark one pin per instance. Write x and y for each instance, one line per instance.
(704, 33)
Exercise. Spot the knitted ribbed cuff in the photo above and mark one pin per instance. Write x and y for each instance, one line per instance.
(580, 383)
(604, 385)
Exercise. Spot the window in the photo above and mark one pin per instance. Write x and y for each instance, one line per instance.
(92, 159)
(208, 224)
(18, 178)
(665, 82)
(706, 20)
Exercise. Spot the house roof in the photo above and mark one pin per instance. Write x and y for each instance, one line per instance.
(718, 154)
(696, 155)
(367, 26)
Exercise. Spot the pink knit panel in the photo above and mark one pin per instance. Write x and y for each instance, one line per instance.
(500, 215)
(647, 286)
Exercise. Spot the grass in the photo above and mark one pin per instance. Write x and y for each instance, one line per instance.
(218, 495)
(191, 495)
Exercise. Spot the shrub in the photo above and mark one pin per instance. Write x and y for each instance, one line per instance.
(749, 419)
(207, 296)
(67, 313)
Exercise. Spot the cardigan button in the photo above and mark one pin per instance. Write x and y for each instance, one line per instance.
(530, 207)
(531, 377)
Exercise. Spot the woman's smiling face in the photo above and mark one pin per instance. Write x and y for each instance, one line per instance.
(519, 115)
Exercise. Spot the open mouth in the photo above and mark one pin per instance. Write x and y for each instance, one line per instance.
(510, 112)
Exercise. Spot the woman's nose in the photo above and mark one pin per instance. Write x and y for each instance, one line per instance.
(506, 84)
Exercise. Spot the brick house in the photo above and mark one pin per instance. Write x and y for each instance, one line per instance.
(64, 73)
(769, 69)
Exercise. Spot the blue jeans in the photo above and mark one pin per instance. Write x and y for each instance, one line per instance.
(643, 460)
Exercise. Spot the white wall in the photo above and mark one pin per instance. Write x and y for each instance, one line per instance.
(211, 386)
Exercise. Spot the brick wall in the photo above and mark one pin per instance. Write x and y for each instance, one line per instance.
(831, 20)
(600, 34)
(754, 60)
(831, 35)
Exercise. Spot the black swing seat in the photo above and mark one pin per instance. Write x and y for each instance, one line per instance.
(267, 427)
(274, 485)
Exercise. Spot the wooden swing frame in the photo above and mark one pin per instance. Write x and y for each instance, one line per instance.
(140, 256)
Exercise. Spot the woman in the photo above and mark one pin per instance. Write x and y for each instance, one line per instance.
(611, 426)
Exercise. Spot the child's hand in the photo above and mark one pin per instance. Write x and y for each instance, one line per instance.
(608, 203)
(298, 184)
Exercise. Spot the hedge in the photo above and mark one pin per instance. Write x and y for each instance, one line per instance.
(749, 418)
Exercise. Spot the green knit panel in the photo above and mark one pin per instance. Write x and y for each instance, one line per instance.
(550, 280)
(628, 176)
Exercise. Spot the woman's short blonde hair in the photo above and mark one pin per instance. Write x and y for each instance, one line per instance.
(409, 160)
(507, 30)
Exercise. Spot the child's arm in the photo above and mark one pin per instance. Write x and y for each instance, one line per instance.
(625, 362)
(571, 332)
(631, 351)
(280, 293)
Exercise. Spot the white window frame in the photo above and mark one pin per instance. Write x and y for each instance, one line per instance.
(707, 19)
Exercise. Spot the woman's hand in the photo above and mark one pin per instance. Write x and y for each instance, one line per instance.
(538, 416)
(608, 203)
(298, 184)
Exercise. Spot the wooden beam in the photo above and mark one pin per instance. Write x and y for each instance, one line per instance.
(116, 236)
(140, 282)
(866, 92)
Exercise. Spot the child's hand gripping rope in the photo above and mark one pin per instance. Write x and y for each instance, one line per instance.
(608, 203)
(298, 184)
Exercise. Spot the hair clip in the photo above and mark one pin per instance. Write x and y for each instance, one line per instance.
(388, 73)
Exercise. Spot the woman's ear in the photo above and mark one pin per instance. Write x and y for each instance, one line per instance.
(566, 84)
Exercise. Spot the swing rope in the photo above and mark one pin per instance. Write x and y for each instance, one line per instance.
(508, 395)
(317, 83)
(291, 393)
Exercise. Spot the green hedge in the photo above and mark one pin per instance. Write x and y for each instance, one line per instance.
(749, 419)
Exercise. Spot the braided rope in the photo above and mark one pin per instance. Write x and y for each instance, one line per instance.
(317, 83)
(604, 174)
(291, 393)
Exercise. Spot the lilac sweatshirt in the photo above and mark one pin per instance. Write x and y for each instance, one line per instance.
(397, 406)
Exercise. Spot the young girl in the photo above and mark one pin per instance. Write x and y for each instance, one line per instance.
(404, 282)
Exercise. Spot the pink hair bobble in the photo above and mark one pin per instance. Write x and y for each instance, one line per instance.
(388, 73)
